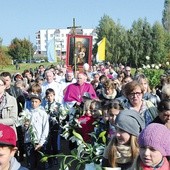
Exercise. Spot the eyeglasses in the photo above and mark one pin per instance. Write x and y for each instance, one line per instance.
(136, 93)
(166, 115)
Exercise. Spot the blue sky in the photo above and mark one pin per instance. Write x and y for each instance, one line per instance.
(23, 18)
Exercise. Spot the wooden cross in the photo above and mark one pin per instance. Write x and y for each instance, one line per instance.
(73, 28)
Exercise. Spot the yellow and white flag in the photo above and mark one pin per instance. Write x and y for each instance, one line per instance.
(101, 50)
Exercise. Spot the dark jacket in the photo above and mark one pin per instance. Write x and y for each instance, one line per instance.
(18, 94)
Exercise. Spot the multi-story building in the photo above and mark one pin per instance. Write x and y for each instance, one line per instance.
(43, 37)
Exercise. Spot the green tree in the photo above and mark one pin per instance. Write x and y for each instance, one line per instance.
(4, 58)
(166, 16)
(21, 49)
(117, 45)
(1, 41)
(105, 29)
(159, 40)
(121, 51)
(136, 45)
(132, 46)
(140, 38)
(167, 46)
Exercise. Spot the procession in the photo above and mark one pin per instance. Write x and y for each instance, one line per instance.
(91, 96)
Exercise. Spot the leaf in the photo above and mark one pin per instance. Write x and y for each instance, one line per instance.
(102, 134)
(44, 159)
(42, 154)
(74, 152)
(104, 139)
(77, 135)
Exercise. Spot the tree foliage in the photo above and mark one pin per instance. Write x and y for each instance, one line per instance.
(159, 44)
(130, 47)
(166, 16)
(4, 58)
(21, 49)
(105, 29)
(140, 42)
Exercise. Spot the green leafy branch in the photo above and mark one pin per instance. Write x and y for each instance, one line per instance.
(85, 153)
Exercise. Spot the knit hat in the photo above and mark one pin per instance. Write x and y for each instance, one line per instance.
(156, 136)
(35, 96)
(130, 121)
(7, 135)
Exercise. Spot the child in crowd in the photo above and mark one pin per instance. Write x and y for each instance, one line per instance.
(102, 123)
(123, 148)
(53, 110)
(107, 121)
(35, 88)
(114, 109)
(86, 122)
(8, 149)
(91, 112)
(22, 85)
(36, 133)
(154, 143)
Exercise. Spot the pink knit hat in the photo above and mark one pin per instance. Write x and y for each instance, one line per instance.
(157, 136)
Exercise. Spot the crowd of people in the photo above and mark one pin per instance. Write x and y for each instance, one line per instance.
(36, 104)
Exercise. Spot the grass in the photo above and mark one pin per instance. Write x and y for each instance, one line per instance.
(23, 66)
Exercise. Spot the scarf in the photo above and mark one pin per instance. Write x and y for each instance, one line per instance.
(3, 102)
(124, 154)
(111, 96)
(163, 165)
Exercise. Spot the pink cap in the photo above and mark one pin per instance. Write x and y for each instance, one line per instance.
(7, 135)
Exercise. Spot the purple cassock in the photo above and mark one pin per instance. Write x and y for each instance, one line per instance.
(75, 92)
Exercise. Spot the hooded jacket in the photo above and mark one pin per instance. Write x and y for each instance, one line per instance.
(15, 165)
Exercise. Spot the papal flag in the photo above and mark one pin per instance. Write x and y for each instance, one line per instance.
(101, 50)
(51, 54)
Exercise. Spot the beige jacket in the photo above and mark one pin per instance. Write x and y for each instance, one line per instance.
(9, 111)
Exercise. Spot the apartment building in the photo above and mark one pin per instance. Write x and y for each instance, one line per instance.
(44, 36)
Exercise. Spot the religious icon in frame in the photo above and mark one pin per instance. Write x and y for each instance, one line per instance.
(79, 50)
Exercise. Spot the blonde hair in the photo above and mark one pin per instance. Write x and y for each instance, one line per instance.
(87, 105)
(35, 88)
(112, 156)
(139, 79)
